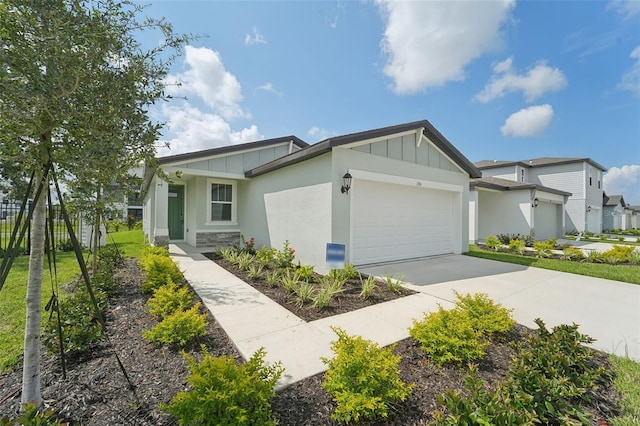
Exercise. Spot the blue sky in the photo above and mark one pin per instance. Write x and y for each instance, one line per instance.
(501, 80)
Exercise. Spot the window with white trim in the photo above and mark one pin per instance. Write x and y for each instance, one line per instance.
(222, 201)
(590, 176)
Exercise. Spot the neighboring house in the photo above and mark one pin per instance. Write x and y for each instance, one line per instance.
(502, 206)
(635, 217)
(581, 177)
(407, 196)
(616, 214)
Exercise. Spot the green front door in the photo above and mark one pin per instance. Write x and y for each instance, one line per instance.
(176, 212)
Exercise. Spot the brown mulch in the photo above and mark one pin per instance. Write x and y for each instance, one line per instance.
(95, 391)
(347, 301)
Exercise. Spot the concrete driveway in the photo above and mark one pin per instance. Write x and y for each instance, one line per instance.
(606, 310)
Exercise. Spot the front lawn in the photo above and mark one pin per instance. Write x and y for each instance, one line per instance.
(625, 273)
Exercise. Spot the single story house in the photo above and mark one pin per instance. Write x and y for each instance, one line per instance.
(387, 194)
(615, 214)
(503, 206)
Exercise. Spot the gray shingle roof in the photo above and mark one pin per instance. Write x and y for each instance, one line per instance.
(612, 200)
(537, 162)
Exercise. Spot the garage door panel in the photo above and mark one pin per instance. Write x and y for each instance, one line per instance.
(547, 221)
(393, 222)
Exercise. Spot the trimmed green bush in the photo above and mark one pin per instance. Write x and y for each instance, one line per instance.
(368, 287)
(178, 328)
(517, 245)
(363, 379)
(556, 370)
(543, 248)
(32, 416)
(448, 336)
(573, 253)
(224, 393)
(158, 268)
(79, 321)
(618, 254)
(492, 242)
(487, 317)
(169, 299)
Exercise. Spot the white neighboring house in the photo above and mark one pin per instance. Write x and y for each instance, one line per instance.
(503, 206)
(581, 177)
(616, 213)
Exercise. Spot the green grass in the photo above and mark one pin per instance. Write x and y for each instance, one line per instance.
(12, 295)
(627, 381)
(131, 243)
(12, 307)
(628, 274)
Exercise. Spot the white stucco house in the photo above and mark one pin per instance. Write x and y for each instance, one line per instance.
(386, 194)
(580, 177)
(503, 206)
(617, 214)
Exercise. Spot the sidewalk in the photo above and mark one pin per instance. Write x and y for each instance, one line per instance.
(252, 320)
(606, 310)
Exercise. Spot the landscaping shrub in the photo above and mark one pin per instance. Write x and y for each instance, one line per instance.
(272, 278)
(254, 271)
(109, 260)
(284, 258)
(161, 251)
(305, 292)
(487, 317)
(347, 273)
(289, 281)
(517, 245)
(158, 268)
(178, 328)
(492, 242)
(448, 336)
(32, 416)
(79, 321)
(556, 370)
(169, 299)
(542, 248)
(266, 256)
(363, 378)
(507, 238)
(617, 254)
(225, 393)
(244, 260)
(368, 287)
(595, 257)
(573, 253)
(484, 407)
(394, 284)
(249, 246)
(64, 245)
(305, 273)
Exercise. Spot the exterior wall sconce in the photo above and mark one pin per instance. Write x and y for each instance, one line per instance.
(588, 209)
(346, 183)
(535, 202)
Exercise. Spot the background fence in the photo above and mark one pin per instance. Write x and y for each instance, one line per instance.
(8, 221)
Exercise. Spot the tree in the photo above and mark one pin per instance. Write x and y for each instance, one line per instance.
(75, 91)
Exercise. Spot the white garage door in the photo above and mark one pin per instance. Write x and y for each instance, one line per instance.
(394, 222)
(547, 221)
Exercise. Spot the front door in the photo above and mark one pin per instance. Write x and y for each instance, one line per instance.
(176, 212)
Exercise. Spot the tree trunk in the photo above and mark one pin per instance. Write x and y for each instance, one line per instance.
(31, 367)
(96, 235)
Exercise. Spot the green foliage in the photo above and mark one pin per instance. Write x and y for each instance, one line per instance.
(109, 260)
(483, 407)
(363, 379)
(552, 242)
(64, 245)
(305, 292)
(178, 328)
(284, 258)
(248, 246)
(158, 268)
(517, 245)
(322, 298)
(289, 281)
(224, 393)
(507, 238)
(80, 325)
(393, 283)
(573, 253)
(595, 257)
(272, 278)
(255, 271)
(368, 287)
(169, 299)
(542, 248)
(492, 242)
(347, 273)
(305, 273)
(556, 370)
(328, 289)
(618, 254)
(265, 256)
(488, 318)
(448, 336)
(634, 257)
(160, 251)
(33, 417)
(244, 260)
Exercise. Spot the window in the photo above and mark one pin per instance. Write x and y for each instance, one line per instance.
(222, 201)
(599, 179)
(590, 176)
(521, 175)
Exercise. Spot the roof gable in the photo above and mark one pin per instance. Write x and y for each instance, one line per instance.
(537, 162)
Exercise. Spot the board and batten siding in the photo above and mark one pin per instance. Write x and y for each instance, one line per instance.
(237, 163)
(565, 177)
(404, 148)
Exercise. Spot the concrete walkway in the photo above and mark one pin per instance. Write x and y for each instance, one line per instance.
(252, 320)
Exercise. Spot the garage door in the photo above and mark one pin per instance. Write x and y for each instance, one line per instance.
(547, 221)
(393, 222)
(593, 221)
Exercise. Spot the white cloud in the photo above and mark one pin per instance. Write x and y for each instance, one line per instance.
(318, 134)
(536, 82)
(255, 38)
(268, 87)
(631, 79)
(625, 8)
(528, 121)
(191, 129)
(207, 78)
(624, 181)
(429, 43)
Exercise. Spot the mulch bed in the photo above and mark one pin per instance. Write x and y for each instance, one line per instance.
(95, 391)
(347, 301)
